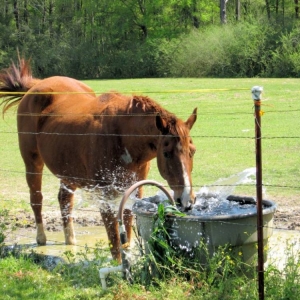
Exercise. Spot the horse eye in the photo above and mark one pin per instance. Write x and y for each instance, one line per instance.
(166, 144)
(166, 154)
(192, 150)
(192, 153)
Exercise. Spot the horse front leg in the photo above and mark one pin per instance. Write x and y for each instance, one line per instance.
(128, 219)
(141, 174)
(111, 225)
(66, 203)
(112, 229)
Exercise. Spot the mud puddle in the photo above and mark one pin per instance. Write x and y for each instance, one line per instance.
(85, 236)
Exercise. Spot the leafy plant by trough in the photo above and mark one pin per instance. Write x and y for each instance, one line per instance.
(165, 260)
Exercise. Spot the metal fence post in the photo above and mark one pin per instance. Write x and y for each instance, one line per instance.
(256, 93)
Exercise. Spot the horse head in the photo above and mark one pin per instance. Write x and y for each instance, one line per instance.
(175, 151)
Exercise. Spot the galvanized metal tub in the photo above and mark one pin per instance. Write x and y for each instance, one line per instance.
(239, 231)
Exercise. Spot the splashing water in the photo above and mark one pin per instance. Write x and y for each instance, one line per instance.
(109, 193)
(210, 200)
(224, 187)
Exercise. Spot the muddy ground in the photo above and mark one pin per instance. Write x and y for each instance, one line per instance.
(286, 217)
(52, 220)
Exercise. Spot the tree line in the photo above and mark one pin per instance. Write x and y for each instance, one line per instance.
(152, 38)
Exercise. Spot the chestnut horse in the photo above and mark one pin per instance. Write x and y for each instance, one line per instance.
(89, 141)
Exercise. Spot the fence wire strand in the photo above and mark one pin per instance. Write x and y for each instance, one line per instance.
(267, 137)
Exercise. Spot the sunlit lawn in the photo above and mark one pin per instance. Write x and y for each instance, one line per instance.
(224, 137)
(223, 133)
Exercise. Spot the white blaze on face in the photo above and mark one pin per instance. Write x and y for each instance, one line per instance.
(185, 197)
(126, 157)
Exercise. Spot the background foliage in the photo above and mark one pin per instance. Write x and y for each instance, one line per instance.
(145, 38)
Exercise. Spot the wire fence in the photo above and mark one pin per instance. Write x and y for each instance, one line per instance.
(224, 138)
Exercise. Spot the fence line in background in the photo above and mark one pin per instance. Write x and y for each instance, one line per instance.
(181, 91)
(194, 185)
(258, 227)
(148, 135)
(56, 207)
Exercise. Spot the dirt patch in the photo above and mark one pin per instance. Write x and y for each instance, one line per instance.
(52, 219)
(286, 217)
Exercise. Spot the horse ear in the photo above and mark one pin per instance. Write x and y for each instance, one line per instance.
(192, 119)
(161, 125)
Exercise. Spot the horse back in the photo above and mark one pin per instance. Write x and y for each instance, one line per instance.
(55, 94)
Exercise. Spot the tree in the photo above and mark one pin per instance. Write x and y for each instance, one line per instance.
(223, 16)
(268, 9)
(237, 10)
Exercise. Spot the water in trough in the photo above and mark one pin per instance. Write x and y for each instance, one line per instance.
(210, 200)
(217, 218)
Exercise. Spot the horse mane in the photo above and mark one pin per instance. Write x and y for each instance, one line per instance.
(14, 81)
(174, 126)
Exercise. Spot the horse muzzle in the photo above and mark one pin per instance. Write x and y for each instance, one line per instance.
(185, 201)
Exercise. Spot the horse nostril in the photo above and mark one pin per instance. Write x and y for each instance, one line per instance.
(189, 207)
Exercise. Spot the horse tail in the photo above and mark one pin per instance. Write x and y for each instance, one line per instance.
(14, 82)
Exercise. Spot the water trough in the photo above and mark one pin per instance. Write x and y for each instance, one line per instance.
(238, 229)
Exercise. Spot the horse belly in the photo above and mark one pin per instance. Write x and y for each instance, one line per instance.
(63, 155)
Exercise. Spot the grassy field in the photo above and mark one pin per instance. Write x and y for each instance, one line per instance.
(223, 134)
(224, 137)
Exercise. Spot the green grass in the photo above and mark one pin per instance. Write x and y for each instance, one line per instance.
(223, 133)
(21, 278)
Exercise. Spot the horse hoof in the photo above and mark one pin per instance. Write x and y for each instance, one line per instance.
(41, 241)
(70, 241)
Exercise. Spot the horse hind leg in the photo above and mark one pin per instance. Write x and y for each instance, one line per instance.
(34, 169)
(66, 202)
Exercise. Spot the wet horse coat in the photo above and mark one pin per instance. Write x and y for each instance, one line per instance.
(89, 141)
